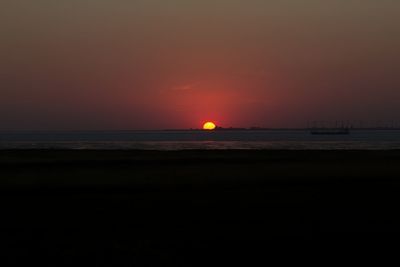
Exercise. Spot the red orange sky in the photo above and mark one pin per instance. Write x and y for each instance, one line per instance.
(152, 64)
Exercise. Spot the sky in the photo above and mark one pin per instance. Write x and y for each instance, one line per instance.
(156, 64)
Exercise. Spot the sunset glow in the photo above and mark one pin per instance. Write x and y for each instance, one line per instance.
(178, 64)
(209, 126)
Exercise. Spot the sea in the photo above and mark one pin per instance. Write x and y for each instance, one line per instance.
(201, 140)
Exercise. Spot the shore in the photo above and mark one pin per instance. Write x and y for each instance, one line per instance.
(149, 206)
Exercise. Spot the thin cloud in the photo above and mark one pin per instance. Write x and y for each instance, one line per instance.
(185, 87)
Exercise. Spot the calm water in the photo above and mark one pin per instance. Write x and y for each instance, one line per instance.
(178, 140)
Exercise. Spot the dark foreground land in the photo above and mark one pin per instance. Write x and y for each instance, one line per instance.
(121, 208)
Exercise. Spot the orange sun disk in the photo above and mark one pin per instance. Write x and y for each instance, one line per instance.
(209, 126)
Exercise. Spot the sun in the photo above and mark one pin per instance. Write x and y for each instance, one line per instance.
(209, 126)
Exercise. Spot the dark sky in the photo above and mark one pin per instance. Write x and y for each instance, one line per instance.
(153, 64)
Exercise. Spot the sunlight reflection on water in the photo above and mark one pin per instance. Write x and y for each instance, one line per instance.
(184, 140)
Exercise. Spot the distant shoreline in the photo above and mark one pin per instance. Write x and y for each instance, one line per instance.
(278, 129)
